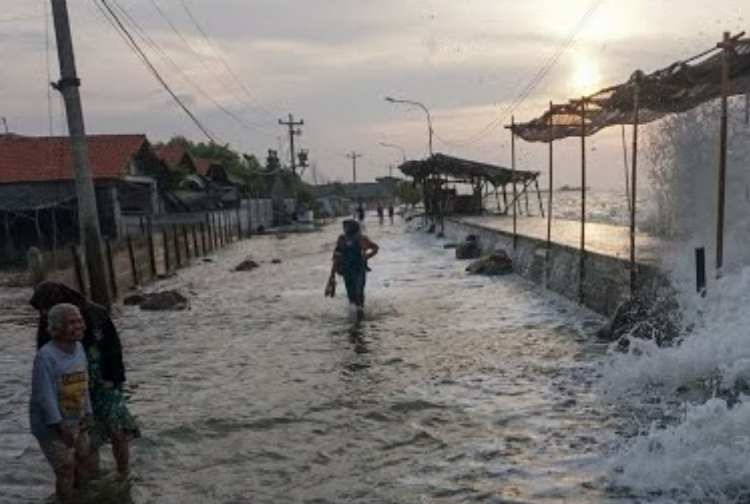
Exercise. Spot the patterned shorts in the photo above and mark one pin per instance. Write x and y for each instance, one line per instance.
(58, 454)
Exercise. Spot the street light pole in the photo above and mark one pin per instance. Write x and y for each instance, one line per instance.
(403, 153)
(415, 103)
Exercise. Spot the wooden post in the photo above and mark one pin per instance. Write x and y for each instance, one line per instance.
(203, 238)
(505, 200)
(78, 268)
(513, 180)
(195, 240)
(39, 234)
(582, 263)
(548, 261)
(249, 219)
(634, 183)
(165, 237)
(177, 253)
(187, 243)
(152, 253)
(239, 224)
(54, 237)
(133, 265)
(111, 265)
(725, 45)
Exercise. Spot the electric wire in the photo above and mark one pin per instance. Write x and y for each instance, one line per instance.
(529, 88)
(224, 62)
(200, 58)
(117, 23)
(189, 80)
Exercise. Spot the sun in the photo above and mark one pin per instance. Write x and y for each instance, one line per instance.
(586, 78)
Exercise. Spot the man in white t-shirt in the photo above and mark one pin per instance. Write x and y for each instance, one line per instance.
(60, 408)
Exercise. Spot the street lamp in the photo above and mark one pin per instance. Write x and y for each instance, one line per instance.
(403, 154)
(429, 119)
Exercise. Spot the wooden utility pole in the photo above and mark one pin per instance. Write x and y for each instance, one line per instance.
(87, 212)
(291, 124)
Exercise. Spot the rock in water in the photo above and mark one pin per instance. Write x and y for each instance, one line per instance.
(654, 317)
(469, 248)
(496, 264)
(276, 261)
(134, 299)
(246, 265)
(163, 301)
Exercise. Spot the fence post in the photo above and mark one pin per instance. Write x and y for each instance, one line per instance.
(203, 237)
(152, 253)
(195, 240)
(165, 236)
(78, 267)
(133, 265)
(249, 219)
(178, 255)
(111, 264)
(239, 224)
(187, 243)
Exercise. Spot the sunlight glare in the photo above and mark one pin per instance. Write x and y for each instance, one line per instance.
(585, 78)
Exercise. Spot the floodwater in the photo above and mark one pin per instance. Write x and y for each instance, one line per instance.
(453, 388)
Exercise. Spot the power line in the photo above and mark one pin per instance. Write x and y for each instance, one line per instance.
(533, 83)
(224, 62)
(190, 81)
(200, 58)
(149, 66)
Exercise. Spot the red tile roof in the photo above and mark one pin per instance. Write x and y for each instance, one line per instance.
(40, 159)
(172, 156)
(202, 165)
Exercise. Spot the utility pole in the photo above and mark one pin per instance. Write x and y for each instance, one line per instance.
(353, 156)
(88, 216)
(5, 124)
(291, 124)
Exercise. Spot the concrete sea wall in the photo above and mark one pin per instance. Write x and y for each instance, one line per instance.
(606, 281)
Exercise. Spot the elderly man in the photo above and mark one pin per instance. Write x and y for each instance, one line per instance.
(60, 409)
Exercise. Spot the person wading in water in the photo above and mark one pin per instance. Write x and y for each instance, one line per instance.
(353, 250)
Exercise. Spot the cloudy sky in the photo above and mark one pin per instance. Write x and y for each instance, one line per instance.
(332, 62)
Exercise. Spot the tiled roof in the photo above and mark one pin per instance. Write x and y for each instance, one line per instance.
(39, 159)
(202, 165)
(172, 156)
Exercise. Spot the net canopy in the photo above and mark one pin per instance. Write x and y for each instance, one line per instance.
(677, 88)
(464, 170)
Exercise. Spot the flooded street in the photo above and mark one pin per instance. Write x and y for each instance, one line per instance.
(453, 388)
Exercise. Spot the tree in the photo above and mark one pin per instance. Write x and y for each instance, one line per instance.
(408, 193)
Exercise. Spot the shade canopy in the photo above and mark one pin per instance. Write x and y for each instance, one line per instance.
(677, 88)
(464, 170)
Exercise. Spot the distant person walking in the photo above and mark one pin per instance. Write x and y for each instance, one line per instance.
(60, 409)
(381, 214)
(353, 250)
(390, 212)
(106, 371)
(360, 213)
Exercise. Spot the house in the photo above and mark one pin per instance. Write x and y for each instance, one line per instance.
(38, 204)
(339, 198)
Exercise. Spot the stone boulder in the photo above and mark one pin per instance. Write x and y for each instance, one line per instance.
(652, 317)
(498, 263)
(134, 299)
(275, 261)
(469, 248)
(164, 301)
(246, 265)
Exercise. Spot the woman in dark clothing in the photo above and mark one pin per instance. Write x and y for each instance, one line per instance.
(106, 370)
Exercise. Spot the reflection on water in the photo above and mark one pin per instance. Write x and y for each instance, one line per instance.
(452, 389)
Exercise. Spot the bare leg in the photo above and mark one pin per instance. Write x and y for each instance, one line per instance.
(65, 480)
(121, 451)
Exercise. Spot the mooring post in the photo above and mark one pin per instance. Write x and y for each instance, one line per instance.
(582, 262)
(634, 182)
(700, 271)
(548, 258)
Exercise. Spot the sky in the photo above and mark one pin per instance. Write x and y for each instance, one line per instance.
(242, 65)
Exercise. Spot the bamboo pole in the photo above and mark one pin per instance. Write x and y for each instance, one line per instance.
(513, 180)
(634, 184)
(720, 214)
(582, 261)
(550, 198)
